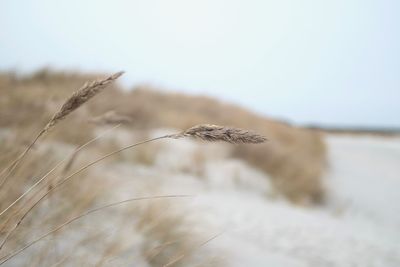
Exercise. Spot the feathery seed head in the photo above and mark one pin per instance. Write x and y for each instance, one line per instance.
(81, 96)
(212, 133)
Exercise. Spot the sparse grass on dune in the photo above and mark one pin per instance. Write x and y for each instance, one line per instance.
(36, 179)
(18, 202)
(294, 157)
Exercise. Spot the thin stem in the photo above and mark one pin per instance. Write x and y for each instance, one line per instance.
(59, 184)
(56, 166)
(8, 170)
(13, 254)
(183, 255)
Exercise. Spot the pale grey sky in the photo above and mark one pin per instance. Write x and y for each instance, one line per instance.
(333, 62)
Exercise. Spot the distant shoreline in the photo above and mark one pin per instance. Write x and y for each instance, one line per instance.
(380, 131)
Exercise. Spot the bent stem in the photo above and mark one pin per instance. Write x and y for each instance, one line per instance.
(55, 167)
(8, 170)
(183, 255)
(59, 184)
(78, 98)
(13, 254)
(36, 184)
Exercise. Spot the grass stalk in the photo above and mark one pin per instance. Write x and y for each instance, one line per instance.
(183, 255)
(55, 167)
(210, 133)
(6, 258)
(62, 182)
(77, 99)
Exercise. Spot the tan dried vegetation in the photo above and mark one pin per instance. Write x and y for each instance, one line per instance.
(29, 102)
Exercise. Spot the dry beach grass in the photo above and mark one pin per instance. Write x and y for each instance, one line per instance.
(295, 158)
(212, 133)
(29, 193)
(77, 99)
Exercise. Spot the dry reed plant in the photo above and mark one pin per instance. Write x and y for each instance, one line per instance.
(213, 133)
(204, 132)
(55, 167)
(77, 99)
(29, 244)
(80, 97)
(295, 159)
(35, 199)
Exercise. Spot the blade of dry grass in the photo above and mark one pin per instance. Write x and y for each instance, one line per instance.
(70, 162)
(206, 132)
(6, 258)
(56, 166)
(16, 213)
(78, 98)
(8, 170)
(61, 261)
(62, 182)
(183, 255)
(157, 250)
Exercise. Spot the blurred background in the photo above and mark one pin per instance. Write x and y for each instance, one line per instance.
(319, 79)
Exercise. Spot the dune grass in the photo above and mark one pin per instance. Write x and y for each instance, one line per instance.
(23, 202)
(294, 158)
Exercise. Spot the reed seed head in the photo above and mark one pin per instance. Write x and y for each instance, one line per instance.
(213, 133)
(81, 96)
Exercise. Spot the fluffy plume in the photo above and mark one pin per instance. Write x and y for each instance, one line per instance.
(214, 133)
(80, 97)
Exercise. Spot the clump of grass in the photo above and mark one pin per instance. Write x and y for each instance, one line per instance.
(295, 159)
(75, 218)
(206, 132)
(78, 98)
(171, 252)
(171, 236)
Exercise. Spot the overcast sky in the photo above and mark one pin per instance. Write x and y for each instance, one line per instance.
(321, 61)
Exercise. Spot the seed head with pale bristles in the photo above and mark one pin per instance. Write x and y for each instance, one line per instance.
(77, 99)
(81, 96)
(214, 133)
